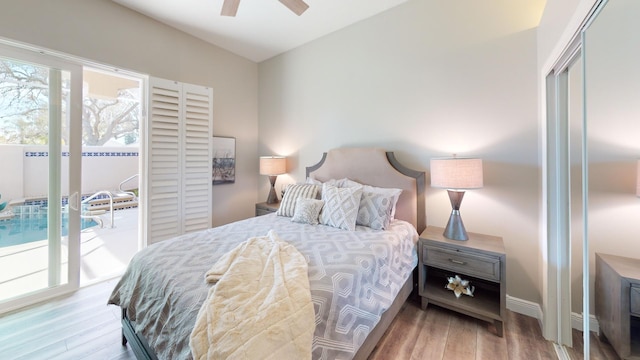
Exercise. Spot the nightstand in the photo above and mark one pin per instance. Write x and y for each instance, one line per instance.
(263, 208)
(617, 295)
(481, 260)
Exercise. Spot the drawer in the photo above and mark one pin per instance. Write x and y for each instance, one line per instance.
(634, 301)
(478, 265)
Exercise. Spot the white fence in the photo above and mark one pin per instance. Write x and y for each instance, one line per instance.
(24, 170)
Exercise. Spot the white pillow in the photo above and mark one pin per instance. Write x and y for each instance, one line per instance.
(340, 206)
(313, 181)
(291, 193)
(307, 211)
(375, 210)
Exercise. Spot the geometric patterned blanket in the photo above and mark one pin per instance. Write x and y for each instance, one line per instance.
(354, 277)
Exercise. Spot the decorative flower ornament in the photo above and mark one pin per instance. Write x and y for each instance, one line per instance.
(459, 286)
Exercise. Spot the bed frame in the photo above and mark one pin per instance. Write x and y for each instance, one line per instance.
(374, 167)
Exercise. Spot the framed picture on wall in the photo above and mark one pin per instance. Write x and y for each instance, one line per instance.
(224, 160)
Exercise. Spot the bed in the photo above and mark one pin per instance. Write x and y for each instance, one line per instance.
(359, 279)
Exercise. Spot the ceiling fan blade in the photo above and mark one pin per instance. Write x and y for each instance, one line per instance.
(230, 7)
(297, 6)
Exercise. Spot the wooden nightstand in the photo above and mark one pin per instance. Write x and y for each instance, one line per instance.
(617, 298)
(263, 208)
(481, 260)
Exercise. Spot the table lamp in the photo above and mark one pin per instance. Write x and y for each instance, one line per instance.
(456, 175)
(273, 166)
(638, 179)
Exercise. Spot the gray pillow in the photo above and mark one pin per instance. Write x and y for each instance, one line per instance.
(292, 193)
(375, 210)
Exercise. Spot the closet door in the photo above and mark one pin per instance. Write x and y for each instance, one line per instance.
(179, 162)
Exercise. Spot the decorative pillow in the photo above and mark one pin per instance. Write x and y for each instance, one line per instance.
(346, 182)
(307, 211)
(394, 193)
(292, 193)
(340, 206)
(313, 181)
(375, 210)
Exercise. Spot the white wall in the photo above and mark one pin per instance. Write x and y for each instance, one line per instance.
(27, 176)
(107, 33)
(12, 167)
(425, 79)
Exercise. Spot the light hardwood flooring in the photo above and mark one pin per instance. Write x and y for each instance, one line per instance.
(599, 349)
(82, 326)
(442, 334)
(78, 326)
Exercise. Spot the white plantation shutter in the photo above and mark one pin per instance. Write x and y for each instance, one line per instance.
(179, 161)
(196, 167)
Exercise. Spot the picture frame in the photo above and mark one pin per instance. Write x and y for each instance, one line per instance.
(224, 160)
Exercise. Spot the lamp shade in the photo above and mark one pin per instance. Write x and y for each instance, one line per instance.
(273, 165)
(638, 179)
(456, 173)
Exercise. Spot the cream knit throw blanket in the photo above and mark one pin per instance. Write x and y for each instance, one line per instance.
(260, 307)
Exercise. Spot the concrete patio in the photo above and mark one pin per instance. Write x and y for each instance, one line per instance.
(105, 253)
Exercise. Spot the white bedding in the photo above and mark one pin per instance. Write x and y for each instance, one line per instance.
(260, 306)
(354, 277)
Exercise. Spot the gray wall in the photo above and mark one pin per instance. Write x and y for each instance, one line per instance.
(425, 79)
(109, 34)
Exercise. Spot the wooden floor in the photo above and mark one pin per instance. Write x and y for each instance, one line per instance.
(598, 349)
(82, 326)
(79, 326)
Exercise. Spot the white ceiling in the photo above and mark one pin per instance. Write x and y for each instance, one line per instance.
(261, 28)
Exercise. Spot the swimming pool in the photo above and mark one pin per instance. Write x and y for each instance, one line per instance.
(32, 226)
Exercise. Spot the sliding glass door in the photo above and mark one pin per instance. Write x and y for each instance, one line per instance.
(40, 144)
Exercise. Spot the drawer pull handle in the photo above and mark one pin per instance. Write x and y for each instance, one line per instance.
(458, 262)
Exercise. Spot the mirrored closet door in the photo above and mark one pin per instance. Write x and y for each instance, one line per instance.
(611, 53)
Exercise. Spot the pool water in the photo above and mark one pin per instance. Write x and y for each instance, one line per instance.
(26, 228)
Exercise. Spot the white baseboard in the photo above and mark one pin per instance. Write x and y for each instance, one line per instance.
(534, 310)
(525, 307)
(576, 323)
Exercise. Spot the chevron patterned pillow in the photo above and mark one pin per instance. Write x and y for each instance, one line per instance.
(340, 206)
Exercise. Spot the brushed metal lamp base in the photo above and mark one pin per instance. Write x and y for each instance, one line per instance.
(455, 228)
(272, 198)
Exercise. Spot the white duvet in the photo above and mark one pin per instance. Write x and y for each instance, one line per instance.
(260, 306)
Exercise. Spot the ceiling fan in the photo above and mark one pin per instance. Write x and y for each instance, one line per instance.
(230, 7)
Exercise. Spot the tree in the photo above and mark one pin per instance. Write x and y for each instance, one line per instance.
(24, 101)
(103, 120)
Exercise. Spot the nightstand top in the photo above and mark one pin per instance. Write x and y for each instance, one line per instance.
(264, 205)
(627, 267)
(487, 243)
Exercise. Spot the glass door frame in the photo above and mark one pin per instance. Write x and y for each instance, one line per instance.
(74, 112)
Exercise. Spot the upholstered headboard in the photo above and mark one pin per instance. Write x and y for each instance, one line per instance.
(376, 167)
